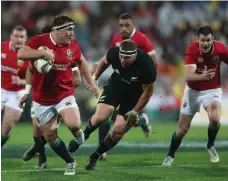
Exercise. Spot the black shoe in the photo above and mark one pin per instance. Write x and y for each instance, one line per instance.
(91, 164)
(73, 146)
(30, 153)
(42, 163)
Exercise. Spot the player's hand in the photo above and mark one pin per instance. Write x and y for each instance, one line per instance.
(15, 80)
(132, 118)
(49, 56)
(23, 100)
(208, 74)
(94, 89)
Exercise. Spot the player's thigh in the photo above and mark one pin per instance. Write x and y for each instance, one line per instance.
(103, 112)
(119, 128)
(190, 102)
(43, 113)
(69, 111)
(212, 104)
(49, 129)
(10, 116)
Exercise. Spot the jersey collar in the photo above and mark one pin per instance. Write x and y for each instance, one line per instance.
(133, 32)
(52, 40)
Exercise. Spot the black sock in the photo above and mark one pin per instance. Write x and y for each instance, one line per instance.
(106, 145)
(175, 143)
(39, 145)
(103, 131)
(60, 148)
(89, 129)
(212, 133)
(4, 139)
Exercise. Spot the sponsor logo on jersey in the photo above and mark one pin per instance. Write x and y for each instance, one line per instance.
(118, 44)
(134, 79)
(9, 69)
(184, 104)
(200, 60)
(3, 55)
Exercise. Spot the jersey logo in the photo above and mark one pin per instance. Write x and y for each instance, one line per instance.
(69, 54)
(199, 60)
(215, 60)
(134, 79)
(102, 98)
(68, 103)
(117, 71)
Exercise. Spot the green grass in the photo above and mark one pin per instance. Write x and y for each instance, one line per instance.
(22, 134)
(189, 166)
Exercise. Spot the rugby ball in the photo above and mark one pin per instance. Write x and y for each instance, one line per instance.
(42, 66)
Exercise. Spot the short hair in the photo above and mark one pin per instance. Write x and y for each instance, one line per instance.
(60, 20)
(205, 30)
(18, 28)
(46, 29)
(128, 45)
(126, 16)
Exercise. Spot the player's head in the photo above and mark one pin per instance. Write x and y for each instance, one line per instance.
(127, 52)
(46, 29)
(126, 24)
(18, 37)
(205, 37)
(63, 27)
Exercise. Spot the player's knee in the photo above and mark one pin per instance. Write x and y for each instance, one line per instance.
(99, 118)
(182, 131)
(116, 135)
(51, 138)
(74, 126)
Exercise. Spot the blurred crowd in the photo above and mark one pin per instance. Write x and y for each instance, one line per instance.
(171, 26)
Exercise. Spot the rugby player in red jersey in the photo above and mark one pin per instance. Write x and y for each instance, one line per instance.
(202, 74)
(127, 31)
(13, 82)
(39, 140)
(53, 92)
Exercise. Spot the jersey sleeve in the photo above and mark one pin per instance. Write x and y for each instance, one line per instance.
(190, 57)
(149, 72)
(224, 56)
(147, 45)
(22, 70)
(34, 42)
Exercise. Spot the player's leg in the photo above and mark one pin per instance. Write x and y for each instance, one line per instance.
(118, 131)
(190, 105)
(212, 104)
(103, 112)
(144, 123)
(38, 148)
(106, 104)
(103, 132)
(10, 117)
(47, 121)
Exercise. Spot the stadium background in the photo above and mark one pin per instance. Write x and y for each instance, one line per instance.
(170, 26)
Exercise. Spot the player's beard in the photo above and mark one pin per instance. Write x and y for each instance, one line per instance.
(125, 35)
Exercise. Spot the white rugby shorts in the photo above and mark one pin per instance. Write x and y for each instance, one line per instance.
(11, 98)
(192, 99)
(45, 113)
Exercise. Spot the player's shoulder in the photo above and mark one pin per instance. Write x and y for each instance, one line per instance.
(5, 44)
(112, 53)
(116, 36)
(140, 34)
(75, 43)
(219, 45)
(193, 48)
(144, 58)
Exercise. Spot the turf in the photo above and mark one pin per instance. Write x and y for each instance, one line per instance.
(189, 166)
(22, 134)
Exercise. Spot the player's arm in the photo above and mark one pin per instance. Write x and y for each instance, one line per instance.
(76, 77)
(84, 69)
(225, 55)
(148, 90)
(101, 67)
(28, 53)
(149, 48)
(28, 86)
